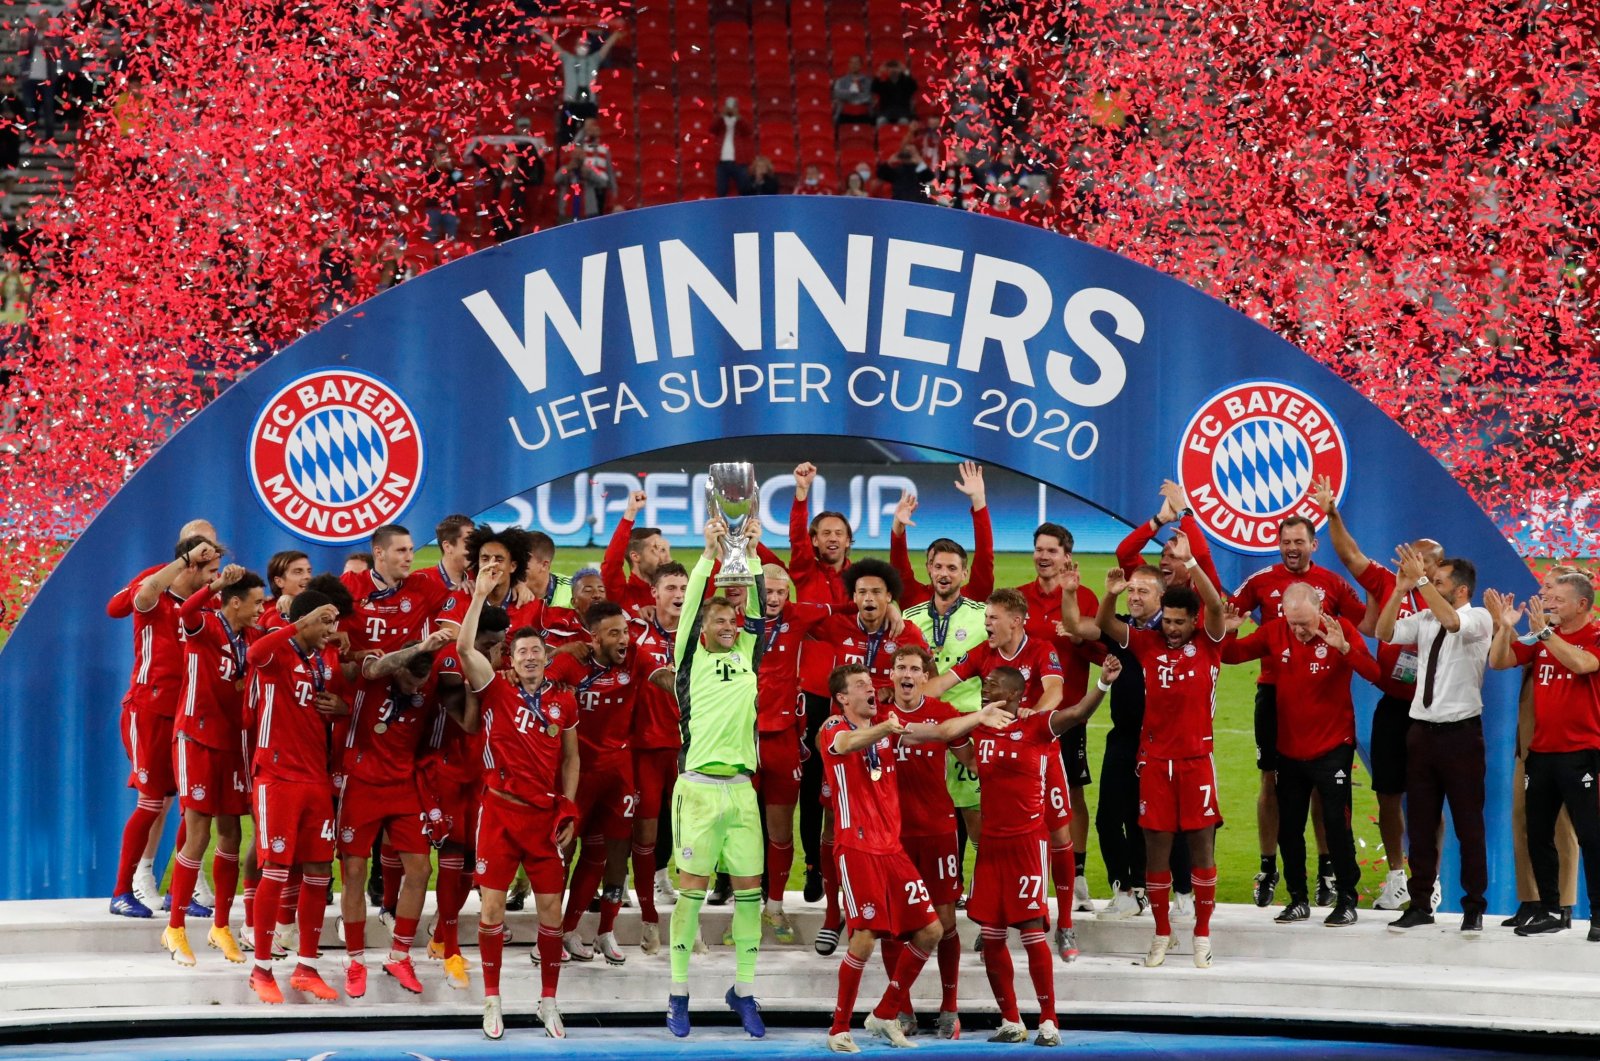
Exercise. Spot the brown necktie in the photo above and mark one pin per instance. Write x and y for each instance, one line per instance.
(1433, 667)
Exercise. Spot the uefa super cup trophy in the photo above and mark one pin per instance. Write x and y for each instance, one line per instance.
(732, 494)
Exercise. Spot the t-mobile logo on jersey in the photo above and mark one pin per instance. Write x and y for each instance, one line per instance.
(1165, 672)
(376, 628)
(1547, 674)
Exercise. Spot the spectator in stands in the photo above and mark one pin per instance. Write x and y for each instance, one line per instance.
(442, 197)
(852, 96)
(11, 119)
(811, 182)
(578, 69)
(895, 89)
(518, 171)
(39, 60)
(336, 277)
(907, 175)
(999, 180)
(736, 146)
(957, 186)
(577, 185)
(854, 186)
(599, 156)
(763, 179)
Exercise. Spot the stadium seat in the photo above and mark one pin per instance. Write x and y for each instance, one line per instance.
(847, 39)
(812, 52)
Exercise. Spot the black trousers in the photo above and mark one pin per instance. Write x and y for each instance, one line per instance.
(1444, 762)
(1554, 780)
(817, 710)
(1329, 776)
(1116, 820)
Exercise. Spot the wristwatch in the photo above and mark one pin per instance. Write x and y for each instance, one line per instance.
(1423, 581)
(1546, 634)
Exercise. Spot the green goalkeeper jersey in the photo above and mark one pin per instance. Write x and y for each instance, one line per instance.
(950, 638)
(717, 690)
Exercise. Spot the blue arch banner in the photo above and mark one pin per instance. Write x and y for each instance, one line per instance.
(634, 332)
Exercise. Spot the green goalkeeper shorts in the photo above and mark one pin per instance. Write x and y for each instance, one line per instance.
(717, 823)
(962, 784)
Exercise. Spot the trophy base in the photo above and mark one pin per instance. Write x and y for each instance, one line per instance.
(735, 582)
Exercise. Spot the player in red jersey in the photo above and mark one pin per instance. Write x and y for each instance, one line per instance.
(453, 572)
(655, 752)
(120, 606)
(1261, 597)
(644, 549)
(1010, 644)
(391, 716)
(606, 676)
(1564, 754)
(530, 760)
(209, 751)
(392, 606)
(1053, 565)
(1177, 774)
(885, 895)
(1314, 655)
(780, 732)
(980, 581)
(451, 771)
(294, 670)
(149, 708)
(288, 572)
(928, 821)
(1174, 509)
(1008, 879)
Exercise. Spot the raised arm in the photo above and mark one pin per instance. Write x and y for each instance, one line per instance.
(613, 570)
(802, 557)
(912, 588)
(952, 730)
(1064, 718)
(1570, 656)
(391, 663)
(153, 586)
(1216, 616)
(1504, 613)
(611, 42)
(1412, 570)
(1344, 543)
(475, 666)
(1109, 624)
(980, 583)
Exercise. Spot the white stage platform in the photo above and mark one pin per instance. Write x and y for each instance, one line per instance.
(69, 961)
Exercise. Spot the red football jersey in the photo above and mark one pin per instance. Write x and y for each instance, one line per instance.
(853, 644)
(778, 701)
(655, 724)
(158, 658)
(621, 585)
(1036, 658)
(1011, 769)
(866, 811)
(1397, 663)
(814, 583)
(558, 626)
(271, 618)
(457, 594)
(1566, 705)
(120, 606)
(1180, 693)
(389, 757)
(386, 617)
(607, 698)
(1044, 612)
(1261, 595)
(1315, 712)
(522, 739)
(214, 680)
(980, 577)
(294, 741)
(928, 810)
(456, 754)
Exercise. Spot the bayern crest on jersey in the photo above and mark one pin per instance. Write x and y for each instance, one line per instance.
(1251, 455)
(335, 454)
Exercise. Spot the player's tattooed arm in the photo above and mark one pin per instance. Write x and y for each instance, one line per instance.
(151, 589)
(389, 664)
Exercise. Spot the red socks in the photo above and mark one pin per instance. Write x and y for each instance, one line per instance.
(1158, 889)
(830, 886)
(997, 965)
(1205, 899)
(1041, 969)
(134, 836)
(389, 858)
(405, 933)
(780, 860)
(225, 873)
(949, 969)
(184, 874)
(289, 901)
(897, 997)
(585, 879)
(891, 949)
(355, 939)
(644, 882)
(491, 946)
(1064, 871)
(550, 955)
(268, 894)
(844, 1007)
(313, 906)
(608, 909)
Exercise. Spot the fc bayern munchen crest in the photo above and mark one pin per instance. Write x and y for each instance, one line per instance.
(1251, 456)
(335, 454)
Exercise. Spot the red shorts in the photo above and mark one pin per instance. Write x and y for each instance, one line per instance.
(365, 809)
(1177, 795)
(459, 802)
(211, 781)
(883, 893)
(294, 822)
(938, 860)
(147, 738)
(1008, 880)
(1057, 801)
(514, 834)
(655, 773)
(778, 768)
(607, 797)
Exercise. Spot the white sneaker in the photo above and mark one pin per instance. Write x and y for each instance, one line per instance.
(606, 945)
(887, 1028)
(908, 1025)
(202, 891)
(146, 890)
(338, 928)
(550, 1017)
(841, 1043)
(1158, 951)
(1049, 1034)
(1010, 1031)
(1182, 906)
(1081, 902)
(1438, 893)
(1202, 952)
(494, 1022)
(949, 1024)
(1394, 894)
(1123, 905)
(665, 892)
(287, 937)
(576, 948)
(650, 937)
(700, 943)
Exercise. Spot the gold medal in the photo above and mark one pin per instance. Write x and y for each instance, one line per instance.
(239, 685)
(554, 730)
(877, 773)
(381, 727)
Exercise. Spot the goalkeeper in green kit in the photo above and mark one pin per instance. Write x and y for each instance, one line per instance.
(715, 818)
